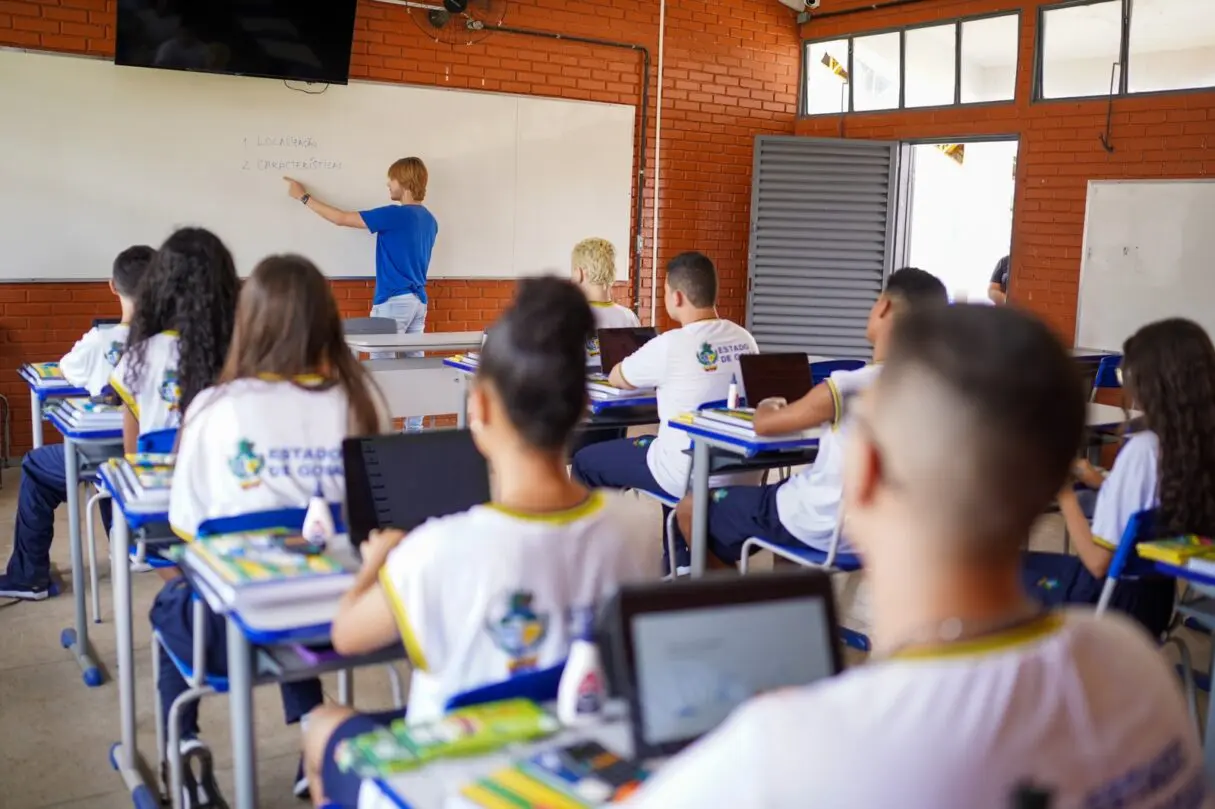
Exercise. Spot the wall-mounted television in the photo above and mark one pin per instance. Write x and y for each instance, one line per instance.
(302, 40)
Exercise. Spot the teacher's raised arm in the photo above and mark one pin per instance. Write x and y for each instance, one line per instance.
(405, 233)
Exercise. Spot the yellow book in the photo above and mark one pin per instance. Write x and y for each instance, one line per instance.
(1176, 550)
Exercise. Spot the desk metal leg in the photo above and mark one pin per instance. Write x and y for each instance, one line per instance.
(1208, 735)
(77, 638)
(462, 413)
(700, 507)
(240, 707)
(36, 415)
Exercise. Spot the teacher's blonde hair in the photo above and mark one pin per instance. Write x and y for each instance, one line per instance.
(411, 173)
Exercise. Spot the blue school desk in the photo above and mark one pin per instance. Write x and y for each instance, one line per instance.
(40, 394)
(709, 445)
(438, 783)
(74, 441)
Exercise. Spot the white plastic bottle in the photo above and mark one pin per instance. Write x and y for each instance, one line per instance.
(583, 689)
(732, 394)
(318, 520)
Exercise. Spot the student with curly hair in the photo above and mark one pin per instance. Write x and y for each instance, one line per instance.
(1168, 373)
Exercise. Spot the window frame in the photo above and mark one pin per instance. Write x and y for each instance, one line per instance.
(1124, 57)
(901, 30)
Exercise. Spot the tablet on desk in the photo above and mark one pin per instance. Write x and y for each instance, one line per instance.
(768, 376)
(401, 481)
(686, 654)
(616, 344)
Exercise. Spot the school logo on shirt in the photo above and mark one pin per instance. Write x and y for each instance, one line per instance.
(592, 346)
(518, 630)
(247, 464)
(114, 353)
(707, 356)
(170, 389)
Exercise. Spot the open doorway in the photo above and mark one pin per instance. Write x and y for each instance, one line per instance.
(961, 212)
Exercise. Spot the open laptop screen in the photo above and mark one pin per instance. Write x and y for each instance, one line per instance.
(616, 344)
(767, 376)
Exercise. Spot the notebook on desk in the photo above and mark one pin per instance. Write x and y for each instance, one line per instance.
(616, 344)
(771, 376)
(685, 654)
(401, 481)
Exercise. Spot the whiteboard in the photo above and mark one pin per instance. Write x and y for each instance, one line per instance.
(95, 157)
(1148, 248)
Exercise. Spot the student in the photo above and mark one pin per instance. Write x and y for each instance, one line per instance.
(593, 269)
(997, 289)
(975, 690)
(690, 366)
(1168, 372)
(501, 589)
(266, 437)
(180, 332)
(43, 477)
(805, 507)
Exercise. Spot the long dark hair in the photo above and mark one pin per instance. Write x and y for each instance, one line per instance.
(535, 357)
(190, 287)
(1169, 373)
(288, 325)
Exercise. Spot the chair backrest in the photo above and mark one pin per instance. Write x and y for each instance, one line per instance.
(1138, 529)
(819, 371)
(286, 519)
(538, 686)
(369, 325)
(157, 441)
(1107, 374)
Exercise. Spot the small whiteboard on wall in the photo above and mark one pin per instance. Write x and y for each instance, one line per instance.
(1149, 253)
(96, 157)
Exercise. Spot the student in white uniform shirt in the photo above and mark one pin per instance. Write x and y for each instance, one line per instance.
(593, 269)
(1168, 371)
(805, 507)
(503, 588)
(689, 366)
(974, 691)
(267, 436)
(43, 477)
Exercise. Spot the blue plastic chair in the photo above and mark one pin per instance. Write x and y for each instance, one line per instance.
(1109, 375)
(157, 441)
(538, 686)
(819, 371)
(285, 519)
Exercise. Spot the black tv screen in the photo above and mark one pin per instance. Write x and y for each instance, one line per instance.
(303, 40)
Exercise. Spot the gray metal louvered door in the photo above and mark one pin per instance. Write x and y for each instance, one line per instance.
(827, 216)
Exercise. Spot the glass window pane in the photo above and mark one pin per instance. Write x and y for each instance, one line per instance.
(826, 77)
(1079, 48)
(1172, 45)
(875, 68)
(930, 66)
(989, 59)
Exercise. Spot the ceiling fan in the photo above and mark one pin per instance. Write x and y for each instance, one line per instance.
(456, 22)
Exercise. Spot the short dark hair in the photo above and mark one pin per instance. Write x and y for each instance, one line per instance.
(535, 357)
(129, 268)
(916, 286)
(1024, 408)
(694, 275)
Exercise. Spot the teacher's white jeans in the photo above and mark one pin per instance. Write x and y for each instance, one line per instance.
(410, 314)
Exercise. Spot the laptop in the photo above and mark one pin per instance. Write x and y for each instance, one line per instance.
(685, 654)
(616, 344)
(767, 376)
(403, 480)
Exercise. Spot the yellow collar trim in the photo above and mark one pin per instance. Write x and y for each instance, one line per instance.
(171, 333)
(594, 501)
(302, 379)
(1029, 632)
(604, 304)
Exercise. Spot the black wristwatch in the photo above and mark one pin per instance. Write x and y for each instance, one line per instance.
(304, 199)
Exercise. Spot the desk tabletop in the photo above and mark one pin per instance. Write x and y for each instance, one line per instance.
(83, 435)
(428, 341)
(748, 446)
(1105, 416)
(50, 388)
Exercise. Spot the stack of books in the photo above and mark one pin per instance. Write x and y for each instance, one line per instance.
(45, 375)
(143, 481)
(740, 422)
(598, 389)
(264, 570)
(579, 776)
(90, 416)
(1191, 551)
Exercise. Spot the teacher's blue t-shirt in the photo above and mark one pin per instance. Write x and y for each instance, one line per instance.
(404, 239)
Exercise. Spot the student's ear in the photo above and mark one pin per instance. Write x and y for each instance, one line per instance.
(884, 307)
(677, 299)
(478, 408)
(112, 287)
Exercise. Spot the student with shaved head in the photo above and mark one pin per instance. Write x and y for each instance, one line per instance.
(975, 691)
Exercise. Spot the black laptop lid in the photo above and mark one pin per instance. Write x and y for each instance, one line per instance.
(767, 376)
(616, 344)
(401, 481)
(686, 653)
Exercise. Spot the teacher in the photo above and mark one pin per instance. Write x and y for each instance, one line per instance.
(404, 239)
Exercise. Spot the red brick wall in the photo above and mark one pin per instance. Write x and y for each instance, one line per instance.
(731, 73)
(1160, 136)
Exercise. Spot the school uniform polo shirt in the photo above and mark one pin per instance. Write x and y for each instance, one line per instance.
(608, 315)
(155, 396)
(1082, 707)
(91, 361)
(1131, 486)
(690, 366)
